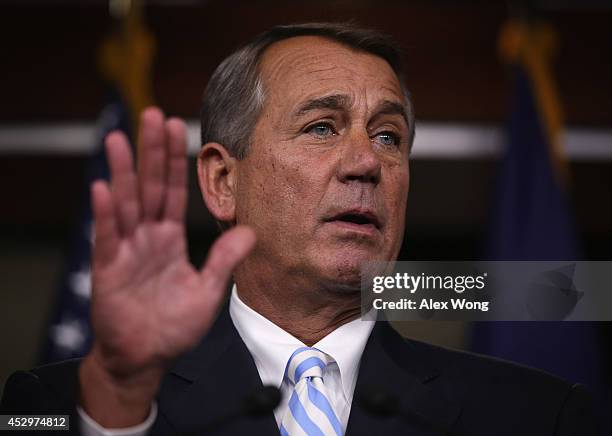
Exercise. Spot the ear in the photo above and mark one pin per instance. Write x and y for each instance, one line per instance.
(217, 178)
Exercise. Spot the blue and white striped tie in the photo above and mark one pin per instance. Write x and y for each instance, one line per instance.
(310, 412)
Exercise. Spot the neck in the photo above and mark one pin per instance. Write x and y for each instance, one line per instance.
(307, 313)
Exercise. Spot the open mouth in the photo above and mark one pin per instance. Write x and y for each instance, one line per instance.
(357, 218)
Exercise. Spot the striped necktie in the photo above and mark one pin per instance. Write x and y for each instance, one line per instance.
(310, 412)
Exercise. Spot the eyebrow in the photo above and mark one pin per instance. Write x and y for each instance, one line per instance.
(343, 102)
(333, 102)
(389, 107)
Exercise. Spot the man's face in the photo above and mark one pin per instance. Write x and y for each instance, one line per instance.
(325, 181)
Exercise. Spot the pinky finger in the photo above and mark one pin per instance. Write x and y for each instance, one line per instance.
(105, 224)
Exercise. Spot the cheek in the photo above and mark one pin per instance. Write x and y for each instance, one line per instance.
(397, 198)
(400, 196)
(297, 176)
(275, 192)
(295, 189)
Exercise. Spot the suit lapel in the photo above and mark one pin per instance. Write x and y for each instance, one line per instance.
(391, 364)
(209, 384)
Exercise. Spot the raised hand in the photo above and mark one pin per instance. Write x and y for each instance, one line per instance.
(149, 303)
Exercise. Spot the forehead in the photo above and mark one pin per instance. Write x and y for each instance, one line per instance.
(305, 65)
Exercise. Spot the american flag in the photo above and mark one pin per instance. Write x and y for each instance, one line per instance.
(125, 60)
(69, 333)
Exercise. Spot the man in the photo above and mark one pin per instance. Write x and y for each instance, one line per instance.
(306, 132)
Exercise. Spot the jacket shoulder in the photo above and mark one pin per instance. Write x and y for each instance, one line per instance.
(495, 390)
(480, 370)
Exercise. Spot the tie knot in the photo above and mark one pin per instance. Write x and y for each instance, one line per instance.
(306, 362)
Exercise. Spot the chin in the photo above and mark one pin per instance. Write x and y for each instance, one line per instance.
(342, 273)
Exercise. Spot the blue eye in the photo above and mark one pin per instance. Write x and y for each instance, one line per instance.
(321, 130)
(386, 139)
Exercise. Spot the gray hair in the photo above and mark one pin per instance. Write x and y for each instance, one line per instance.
(235, 94)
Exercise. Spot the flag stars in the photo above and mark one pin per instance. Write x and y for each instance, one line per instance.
(69, 335)
(80, 283)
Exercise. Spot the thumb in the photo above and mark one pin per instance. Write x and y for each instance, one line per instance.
(225, 255)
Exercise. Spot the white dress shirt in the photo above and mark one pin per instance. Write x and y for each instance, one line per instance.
(271, 348)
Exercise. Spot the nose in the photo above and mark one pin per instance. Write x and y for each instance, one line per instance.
(359, 161)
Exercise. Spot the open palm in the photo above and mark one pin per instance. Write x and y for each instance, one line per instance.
(149, 303)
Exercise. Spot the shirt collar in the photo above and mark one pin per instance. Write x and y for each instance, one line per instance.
(272, 346)
(346, 345)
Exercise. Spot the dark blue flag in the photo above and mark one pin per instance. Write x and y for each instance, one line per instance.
(532, 220)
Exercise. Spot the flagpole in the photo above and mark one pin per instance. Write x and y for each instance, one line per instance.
(126, 55)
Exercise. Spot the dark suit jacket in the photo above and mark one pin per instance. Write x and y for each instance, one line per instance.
(463, 393)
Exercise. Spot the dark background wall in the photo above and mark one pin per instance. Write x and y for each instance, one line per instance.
(49, 75)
